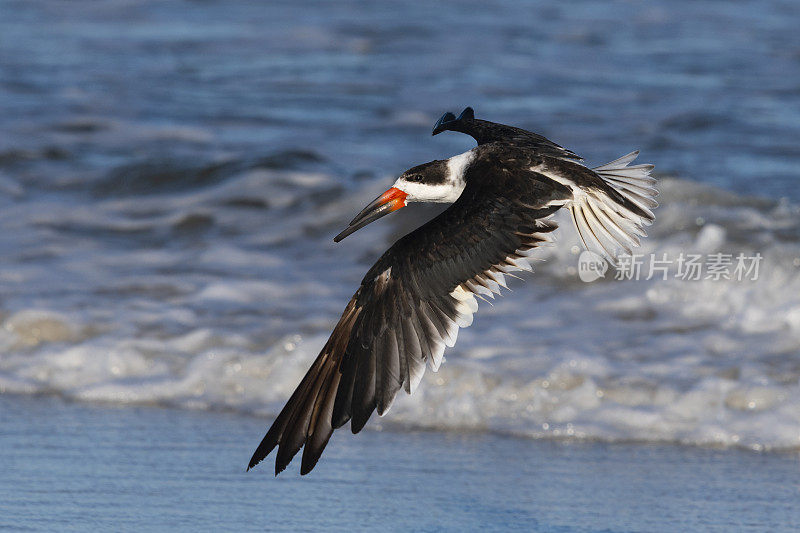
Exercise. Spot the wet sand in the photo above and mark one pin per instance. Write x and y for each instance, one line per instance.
(85, 467)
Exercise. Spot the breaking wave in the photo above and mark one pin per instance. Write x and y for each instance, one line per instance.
(220, 297)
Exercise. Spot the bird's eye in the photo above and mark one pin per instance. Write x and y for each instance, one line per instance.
(415, 178)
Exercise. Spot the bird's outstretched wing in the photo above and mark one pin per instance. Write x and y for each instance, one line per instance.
(410, 306)
(610, 205)
(485, 132)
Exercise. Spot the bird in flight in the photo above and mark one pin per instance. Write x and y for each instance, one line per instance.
(412, 302)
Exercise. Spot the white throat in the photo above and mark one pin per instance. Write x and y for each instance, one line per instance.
(447, 192)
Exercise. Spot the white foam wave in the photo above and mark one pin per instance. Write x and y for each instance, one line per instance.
(234, 321)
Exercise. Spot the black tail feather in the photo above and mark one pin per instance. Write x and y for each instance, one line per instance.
(449, 122)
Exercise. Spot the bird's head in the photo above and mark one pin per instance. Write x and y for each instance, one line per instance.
(439, 181)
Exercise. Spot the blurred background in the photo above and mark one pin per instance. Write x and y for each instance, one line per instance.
(172, 175)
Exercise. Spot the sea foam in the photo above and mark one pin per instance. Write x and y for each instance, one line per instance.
(232, 317)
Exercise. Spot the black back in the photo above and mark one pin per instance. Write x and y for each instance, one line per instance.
(485, 132)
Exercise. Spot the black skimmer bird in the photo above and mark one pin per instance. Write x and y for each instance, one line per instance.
(412, 302)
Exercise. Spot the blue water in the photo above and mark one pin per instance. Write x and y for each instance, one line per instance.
(85, 468)
(172, 175)
(708, 90)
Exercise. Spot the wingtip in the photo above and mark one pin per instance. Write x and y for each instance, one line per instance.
(264, 448)
(359, 420)
(305, 467)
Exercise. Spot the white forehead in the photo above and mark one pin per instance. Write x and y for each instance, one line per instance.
(446, 192)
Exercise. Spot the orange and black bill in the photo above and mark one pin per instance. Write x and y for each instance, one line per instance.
(391, 200)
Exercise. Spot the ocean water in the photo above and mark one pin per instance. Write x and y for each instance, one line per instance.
(172, 175)
(101, 468)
